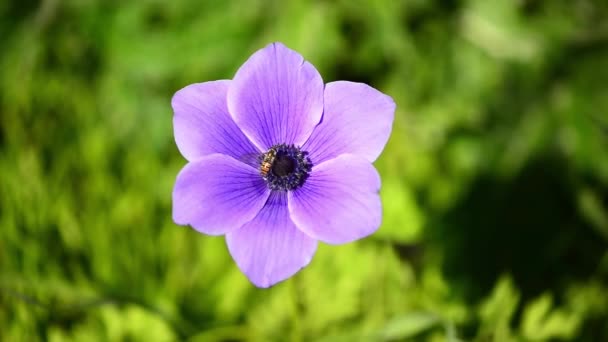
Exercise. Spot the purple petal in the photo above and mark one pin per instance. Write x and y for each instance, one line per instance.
(339, 202)
(270, 248)
(276, 97)
(217, 194)
(202, 125)
(357, 120)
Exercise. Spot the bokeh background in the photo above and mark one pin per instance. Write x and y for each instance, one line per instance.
(495, 179)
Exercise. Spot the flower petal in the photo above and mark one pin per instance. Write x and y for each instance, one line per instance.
(276, 97)
(202, 125)
(217, 194)
(270, 248)
(357, 120)
(339, 202)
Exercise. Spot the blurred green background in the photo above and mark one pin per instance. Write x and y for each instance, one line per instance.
(495, 179)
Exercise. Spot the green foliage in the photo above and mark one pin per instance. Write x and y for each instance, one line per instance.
(495, 179)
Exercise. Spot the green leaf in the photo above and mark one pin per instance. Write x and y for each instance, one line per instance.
(409, 325)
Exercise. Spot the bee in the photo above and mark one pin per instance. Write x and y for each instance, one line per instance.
(268, 161)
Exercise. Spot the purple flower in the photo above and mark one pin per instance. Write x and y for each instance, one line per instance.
(277, 161)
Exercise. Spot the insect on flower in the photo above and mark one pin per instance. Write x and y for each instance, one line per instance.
(267, 162)
(292, 161)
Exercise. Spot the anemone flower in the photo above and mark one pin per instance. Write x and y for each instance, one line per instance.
(278, 161)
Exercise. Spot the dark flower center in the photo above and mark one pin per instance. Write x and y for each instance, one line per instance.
(284, 167)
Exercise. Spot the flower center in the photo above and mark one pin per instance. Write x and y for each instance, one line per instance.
(284, 167)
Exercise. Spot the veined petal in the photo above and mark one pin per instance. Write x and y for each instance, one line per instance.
(357, 120)
(217, 194)
(276, 97)
(339, 202)
(202, 125)
(270, 249)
